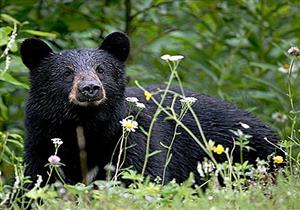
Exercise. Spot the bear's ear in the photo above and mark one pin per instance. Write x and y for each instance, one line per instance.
(33, 51)
(117, 44)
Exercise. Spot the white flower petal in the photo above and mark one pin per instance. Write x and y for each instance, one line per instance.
(140, 105)
(176, 57)
(132, 99)
(165, 57)
(244, 125)
(56, 141)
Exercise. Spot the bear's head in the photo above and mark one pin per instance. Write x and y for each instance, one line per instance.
(81, 77)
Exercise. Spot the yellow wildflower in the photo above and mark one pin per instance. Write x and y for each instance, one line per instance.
(218, 149)
(120, 209)
(278, 159)
(148, 95)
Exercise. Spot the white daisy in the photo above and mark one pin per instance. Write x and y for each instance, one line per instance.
(129, 125)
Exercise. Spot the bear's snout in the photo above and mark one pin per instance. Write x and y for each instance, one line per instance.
(87, 91)
(90, 90)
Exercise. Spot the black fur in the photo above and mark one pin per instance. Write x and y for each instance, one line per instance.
(49, 114)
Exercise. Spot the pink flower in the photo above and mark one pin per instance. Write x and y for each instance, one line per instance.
(54, 159)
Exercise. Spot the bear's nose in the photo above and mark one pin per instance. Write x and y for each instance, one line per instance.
(89, 89)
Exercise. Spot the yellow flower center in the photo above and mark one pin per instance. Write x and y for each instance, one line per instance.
(128, 124)
(286, 66)
(218, 149)
(147, 95)
(278, 159)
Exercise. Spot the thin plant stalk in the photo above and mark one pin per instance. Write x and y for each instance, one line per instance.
(293, 115)
(155, 116)
(209, 153)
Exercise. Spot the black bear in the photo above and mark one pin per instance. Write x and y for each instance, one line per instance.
(86, 88)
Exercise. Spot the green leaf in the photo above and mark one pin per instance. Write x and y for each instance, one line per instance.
(264, 66)
(4, 35)
(44, 193)
(6, 77)
(78, 188)
(15, 142)
(4, 110)
(14, 136)
(9, 18)
(40, 33)
(132, 175)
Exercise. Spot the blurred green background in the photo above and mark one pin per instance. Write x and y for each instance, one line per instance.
(235, 49)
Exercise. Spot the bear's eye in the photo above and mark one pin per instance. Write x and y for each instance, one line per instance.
(68, 72)
(99, 69)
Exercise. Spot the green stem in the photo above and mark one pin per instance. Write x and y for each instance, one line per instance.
(209, 153)
(50, 174)
(293, 116)
(168, 156)
(59, 176)
(120, 153)
(155, 116)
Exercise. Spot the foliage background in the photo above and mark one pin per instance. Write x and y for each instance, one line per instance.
(233, 49)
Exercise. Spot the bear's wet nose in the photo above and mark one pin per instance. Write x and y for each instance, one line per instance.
(89, 89)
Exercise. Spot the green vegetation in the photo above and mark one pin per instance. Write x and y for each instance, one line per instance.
(236, 50)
